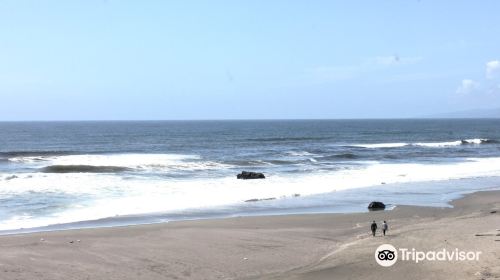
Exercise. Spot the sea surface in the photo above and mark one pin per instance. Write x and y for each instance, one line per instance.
(56, 175)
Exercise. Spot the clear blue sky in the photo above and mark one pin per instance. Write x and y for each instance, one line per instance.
(87, 60)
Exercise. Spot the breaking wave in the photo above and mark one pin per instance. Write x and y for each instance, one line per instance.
(475, 141)
(111, 195)
(84, 169)
(98, 163)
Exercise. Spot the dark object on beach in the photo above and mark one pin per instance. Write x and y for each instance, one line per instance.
(250, 175)
(493, 212)
(376, 205)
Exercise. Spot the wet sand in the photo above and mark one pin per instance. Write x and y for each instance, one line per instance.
(314, 246)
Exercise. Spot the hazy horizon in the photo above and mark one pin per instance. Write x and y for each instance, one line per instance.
(255, 119)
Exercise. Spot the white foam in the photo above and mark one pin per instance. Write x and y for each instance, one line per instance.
(439, 144)
(476, 141)
(135, 161)
(125, 160)
(113, 195)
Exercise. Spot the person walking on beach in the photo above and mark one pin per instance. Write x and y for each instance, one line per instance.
(374, 228)
(385, 227)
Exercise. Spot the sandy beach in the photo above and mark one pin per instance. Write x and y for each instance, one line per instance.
(316, 246)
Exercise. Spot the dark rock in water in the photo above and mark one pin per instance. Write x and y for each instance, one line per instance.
(250, 175)
(376, 205)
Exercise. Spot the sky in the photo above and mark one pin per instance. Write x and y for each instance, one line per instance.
(248, 59)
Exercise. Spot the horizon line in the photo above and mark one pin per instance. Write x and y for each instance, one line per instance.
(256, 119)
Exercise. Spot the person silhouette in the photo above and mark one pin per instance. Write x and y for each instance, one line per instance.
(374, 228)
(385, 227)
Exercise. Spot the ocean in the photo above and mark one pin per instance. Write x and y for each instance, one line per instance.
(58, 175)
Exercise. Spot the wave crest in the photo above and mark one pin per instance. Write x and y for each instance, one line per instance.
(84, 169)
(475, 141)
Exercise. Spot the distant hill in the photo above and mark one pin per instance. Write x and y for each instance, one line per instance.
(475, 113)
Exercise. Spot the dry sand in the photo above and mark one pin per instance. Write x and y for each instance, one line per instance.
(319, 246)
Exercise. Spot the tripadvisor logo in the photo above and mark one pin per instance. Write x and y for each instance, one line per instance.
(387, 255)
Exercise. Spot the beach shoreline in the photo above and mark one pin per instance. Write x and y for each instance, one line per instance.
(355, 205)
(306, 246)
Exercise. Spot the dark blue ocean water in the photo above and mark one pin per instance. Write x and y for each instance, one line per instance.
(66, 172)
